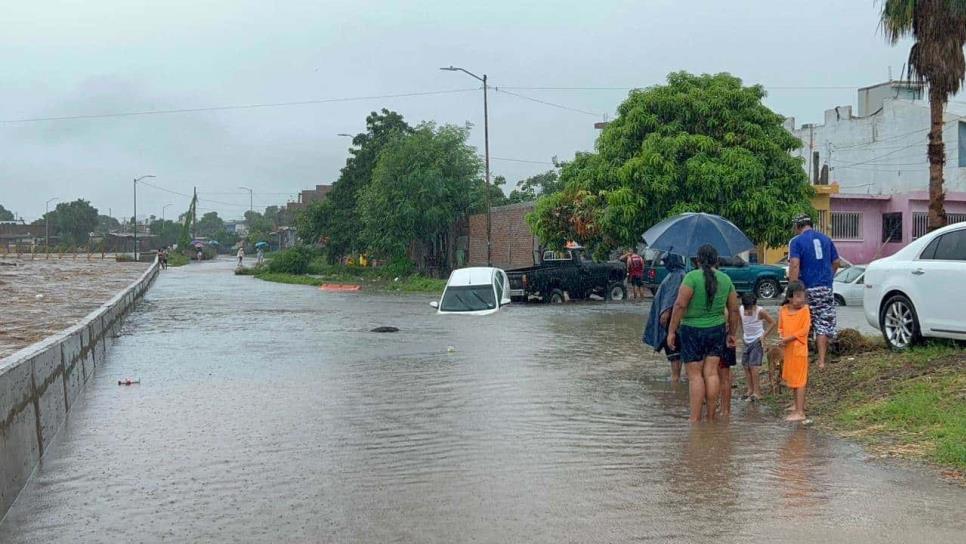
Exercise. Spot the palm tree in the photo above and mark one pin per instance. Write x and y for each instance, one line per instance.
(939, 29)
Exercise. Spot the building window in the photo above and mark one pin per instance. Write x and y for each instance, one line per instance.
(892, 227)
(920, 222)
(846, 225)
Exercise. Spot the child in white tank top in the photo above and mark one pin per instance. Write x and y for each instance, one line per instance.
(753, 319)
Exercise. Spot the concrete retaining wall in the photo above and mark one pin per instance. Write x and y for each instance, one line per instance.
(39, 384)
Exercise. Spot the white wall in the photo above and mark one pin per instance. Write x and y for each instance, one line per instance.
(884, 153)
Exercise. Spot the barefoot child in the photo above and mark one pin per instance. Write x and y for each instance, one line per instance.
(793, 323)
(753, 319)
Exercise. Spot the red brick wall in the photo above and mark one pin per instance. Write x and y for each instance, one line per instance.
(512, 243)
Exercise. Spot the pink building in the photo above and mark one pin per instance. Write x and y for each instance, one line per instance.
(868, 227)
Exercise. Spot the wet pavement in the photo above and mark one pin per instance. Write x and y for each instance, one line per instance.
(269, 413)
(40, 297)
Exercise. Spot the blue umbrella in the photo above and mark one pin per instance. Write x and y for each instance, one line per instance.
(261, 244)
(684, 234)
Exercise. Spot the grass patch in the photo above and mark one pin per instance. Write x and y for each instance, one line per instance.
(374, 279)
(909, 404)
(294, 279)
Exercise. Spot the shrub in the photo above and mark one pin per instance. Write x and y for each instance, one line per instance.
(399, 268)
(291, 261)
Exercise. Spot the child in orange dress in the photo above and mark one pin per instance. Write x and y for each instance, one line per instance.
(794, 321)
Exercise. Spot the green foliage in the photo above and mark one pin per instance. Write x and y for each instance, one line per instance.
(166, 230)
(106, 224)
(291, 261)
(177, 259)
(72, 222)
(259, 228)
(697, 144)
(421, 184)
(187, 219)
(209, 225)
(528, 189)
(5, 214)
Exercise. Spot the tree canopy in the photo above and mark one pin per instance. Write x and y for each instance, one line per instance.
(422, 182)
(543, 184)
(700, 143)
(5, 214)
(72, 222)
(209, 225)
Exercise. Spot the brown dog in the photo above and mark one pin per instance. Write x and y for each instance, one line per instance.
(775, 356)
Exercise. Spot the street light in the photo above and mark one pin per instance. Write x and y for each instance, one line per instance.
(250, 198)
(165, 207)
(47, 224)
(486, 147)
(135, 218)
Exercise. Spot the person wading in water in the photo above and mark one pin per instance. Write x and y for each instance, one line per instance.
(698, 324)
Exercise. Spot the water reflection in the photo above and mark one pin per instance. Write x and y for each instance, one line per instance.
(277, 417)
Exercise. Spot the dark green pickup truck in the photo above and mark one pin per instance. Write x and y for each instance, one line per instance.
(764, 280)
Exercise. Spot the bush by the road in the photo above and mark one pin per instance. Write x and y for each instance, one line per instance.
(291, 261)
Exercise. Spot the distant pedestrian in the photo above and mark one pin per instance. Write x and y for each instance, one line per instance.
(754, 333)
(655, 332)
(163, 257)
(813, 260)
(260, 256)
(635, 273)
(200, 255)
(794, 320)
(241, 255)
(699, 319)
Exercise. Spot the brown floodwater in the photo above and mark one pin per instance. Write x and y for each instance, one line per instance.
(269, 413)
(69, 288)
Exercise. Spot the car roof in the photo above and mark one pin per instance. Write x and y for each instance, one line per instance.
(477, 275)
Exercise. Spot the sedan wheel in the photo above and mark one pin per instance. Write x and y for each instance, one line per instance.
(899, 323)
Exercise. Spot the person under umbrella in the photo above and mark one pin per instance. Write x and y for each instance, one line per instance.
(698, 328)
(655, 331)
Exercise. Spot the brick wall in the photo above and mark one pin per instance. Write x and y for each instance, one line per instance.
(512, 243)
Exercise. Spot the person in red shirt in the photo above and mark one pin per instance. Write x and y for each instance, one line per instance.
(635, 273)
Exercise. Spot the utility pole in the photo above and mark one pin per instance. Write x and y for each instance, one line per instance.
(134, 219)
(486, 148)
(47, 224)
(250, 198)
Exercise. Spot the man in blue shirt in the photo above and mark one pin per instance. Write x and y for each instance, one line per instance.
(813, 260)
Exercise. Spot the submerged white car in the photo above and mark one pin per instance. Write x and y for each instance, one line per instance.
(474, 291)
(849, 286)
(918, 292)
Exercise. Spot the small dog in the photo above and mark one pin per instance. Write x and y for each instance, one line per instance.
(775, 356)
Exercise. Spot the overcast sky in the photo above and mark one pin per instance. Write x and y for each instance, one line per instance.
(66, 58)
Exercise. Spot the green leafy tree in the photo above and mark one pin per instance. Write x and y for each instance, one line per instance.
(420, 185)
(5, 214)
(73, 221)
(936, 58)
(697, 144)
(106, 224)
(209, 225)
(335, 220)
(167, 231)
(259, 228)
(528, 189)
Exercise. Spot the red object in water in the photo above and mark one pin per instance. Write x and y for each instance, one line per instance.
(128, 381)
(340, 287)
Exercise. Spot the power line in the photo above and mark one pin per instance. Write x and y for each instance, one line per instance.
(520, 160)
(236, 107)
(552, 104)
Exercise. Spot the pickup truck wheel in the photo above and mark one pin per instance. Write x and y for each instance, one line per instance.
(616, 291)
(767, 288)
(556, 297)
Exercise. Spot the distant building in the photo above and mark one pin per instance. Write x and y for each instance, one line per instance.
(878, 160)
(309, 196)
(14, 235)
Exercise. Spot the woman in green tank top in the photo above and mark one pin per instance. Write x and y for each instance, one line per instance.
(699, 325)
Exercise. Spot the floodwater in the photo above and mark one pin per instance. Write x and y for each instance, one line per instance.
(268, 413)
(69, 288)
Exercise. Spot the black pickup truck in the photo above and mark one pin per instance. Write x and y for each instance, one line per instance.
(569, 272)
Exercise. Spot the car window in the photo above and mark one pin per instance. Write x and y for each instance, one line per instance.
(468, 298)
(499, 286)
(848, 275)
(951, 246)
(861, 280)
(556, 255)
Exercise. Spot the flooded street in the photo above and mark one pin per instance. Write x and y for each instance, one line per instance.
(269, 413)
(40, 297)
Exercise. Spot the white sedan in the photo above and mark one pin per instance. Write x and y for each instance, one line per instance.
(918, 292)
(849, 286)
(474, 291)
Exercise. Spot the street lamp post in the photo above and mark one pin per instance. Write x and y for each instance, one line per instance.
(165, 207)
(134, 219)
(47, 224)
(486, 148)
(251, 207)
